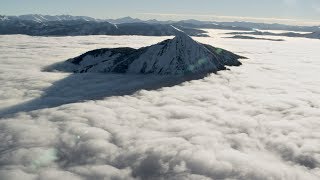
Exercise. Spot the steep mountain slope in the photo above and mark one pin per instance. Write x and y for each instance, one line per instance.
(178, 56)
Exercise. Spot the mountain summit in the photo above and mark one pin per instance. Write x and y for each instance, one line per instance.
(178, 56)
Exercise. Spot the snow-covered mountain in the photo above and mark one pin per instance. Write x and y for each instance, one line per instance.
(191, 23)
(3, 18)
(46, 18)
(84, 27)
(124, 20)
(67, 25)
(178, 56)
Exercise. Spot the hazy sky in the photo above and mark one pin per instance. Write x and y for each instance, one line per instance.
(289, 11)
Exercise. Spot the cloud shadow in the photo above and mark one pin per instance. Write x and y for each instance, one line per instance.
(94, 86)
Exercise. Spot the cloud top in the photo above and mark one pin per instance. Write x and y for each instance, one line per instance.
(257, 121)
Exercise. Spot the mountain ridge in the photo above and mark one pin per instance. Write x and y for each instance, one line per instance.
(84, 27)
(235, 25)
(313, 35)
(66, 25)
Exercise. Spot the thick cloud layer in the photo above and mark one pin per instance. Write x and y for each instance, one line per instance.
(257, 121)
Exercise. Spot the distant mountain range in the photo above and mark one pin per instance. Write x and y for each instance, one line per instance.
(38, 25)
(314, 35)
(46, 18)
(253, 38)
(61, 25)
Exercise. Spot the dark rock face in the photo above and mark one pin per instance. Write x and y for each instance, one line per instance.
(178, 56)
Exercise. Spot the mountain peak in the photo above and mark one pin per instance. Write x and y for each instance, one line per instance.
(178, 56)
(127, 17)
(181, 35)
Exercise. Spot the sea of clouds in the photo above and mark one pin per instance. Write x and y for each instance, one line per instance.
(259, 121)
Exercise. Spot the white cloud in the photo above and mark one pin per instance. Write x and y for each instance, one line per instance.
(257, 121)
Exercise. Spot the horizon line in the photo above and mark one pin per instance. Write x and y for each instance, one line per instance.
(214, 17)
(211, 17)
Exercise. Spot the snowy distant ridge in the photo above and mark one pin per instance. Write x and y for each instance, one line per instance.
(178, 56)
(191, 23)
(313, 35)
(65, 25)
(46, 18)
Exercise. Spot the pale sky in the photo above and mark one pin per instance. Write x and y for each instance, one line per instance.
(281, 11)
